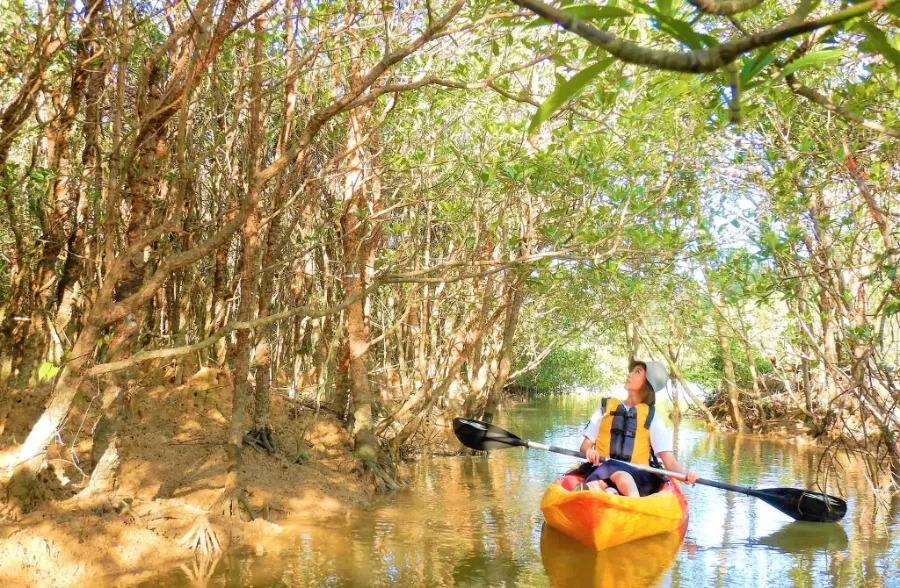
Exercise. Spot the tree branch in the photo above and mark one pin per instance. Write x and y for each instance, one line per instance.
(725, 7)
(306, 311)
(699, 60)
(817, 98)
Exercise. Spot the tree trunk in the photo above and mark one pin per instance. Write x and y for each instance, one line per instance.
(355, 251)
(734, 406)
(234, 490)
(31, 455)
(515, 299)
(672, 353)
(673, 366)
(261, 431)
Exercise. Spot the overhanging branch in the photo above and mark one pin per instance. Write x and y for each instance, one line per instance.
(699, 60)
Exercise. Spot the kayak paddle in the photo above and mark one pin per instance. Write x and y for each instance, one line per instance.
(799, 504)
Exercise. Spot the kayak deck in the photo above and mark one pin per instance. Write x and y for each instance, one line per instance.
(602, 520)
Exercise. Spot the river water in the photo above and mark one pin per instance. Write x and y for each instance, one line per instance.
(476, 521)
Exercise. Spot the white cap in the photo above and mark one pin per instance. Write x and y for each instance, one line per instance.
(654, 371)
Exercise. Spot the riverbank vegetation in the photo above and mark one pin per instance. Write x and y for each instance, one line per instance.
(282, 214)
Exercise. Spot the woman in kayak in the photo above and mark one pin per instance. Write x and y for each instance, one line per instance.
(628, 432)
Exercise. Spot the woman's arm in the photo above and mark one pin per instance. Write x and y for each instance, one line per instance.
(585, 444)
(670, 462)
(590, 452)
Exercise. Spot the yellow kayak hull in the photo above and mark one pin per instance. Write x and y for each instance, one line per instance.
(601, 520)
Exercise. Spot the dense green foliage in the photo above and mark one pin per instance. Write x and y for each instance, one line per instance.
(564, 370)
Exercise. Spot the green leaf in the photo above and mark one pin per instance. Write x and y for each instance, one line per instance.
(592, 12)
(753, 67)
(817, 58)
(564, 92)
(47, 370)
(678, 29)
(585, 12)
(876, 38)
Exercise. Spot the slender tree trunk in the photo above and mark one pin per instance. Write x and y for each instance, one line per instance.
(515, 300)
(234, 490)
(673, 366)
(634, 339)
(261, 431)
(355, 252)
(734, 403)
(672, 353)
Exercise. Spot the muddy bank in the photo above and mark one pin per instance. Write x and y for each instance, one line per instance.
(172, 471)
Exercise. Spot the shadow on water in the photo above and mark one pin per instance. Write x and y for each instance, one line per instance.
(640, 563)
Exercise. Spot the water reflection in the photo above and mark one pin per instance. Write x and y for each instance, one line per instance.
(639, 563)
(797, 537)
(477, 522)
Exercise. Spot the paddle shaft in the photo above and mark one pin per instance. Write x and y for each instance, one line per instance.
(644, 468)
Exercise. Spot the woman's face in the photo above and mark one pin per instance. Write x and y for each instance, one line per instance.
(636, 379)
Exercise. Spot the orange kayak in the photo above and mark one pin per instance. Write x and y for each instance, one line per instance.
(602, 520)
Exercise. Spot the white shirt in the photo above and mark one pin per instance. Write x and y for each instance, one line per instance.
(660, 439)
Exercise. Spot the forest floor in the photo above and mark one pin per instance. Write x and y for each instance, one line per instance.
(172, 471)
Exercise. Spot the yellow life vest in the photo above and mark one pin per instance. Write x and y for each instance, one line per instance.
(625, 431)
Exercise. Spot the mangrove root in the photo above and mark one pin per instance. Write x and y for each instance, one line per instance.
(233, 503)
(261, 439)
(379, 476)
(201, 538)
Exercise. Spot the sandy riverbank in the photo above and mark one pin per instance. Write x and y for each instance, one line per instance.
(173, 466)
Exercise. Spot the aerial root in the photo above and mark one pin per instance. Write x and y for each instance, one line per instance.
(201, 538)
(261, 439)
(233, 503)
(379, 476)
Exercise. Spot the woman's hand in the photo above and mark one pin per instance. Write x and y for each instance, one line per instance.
(691, 478)
(592, 456)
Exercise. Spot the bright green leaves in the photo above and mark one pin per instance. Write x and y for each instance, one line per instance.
(592, 12)
(753, 67)
(877, 42)
(586, 12)
(812, 59)
(47, 370)
(566, 91)
(676, 28)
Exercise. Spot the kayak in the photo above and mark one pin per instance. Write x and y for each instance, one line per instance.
(639, 563)
(602, 520)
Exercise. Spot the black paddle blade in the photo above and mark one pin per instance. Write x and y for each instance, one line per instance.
(804, 505)
(483, 436)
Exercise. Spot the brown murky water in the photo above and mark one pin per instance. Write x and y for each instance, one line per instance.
(477, 522)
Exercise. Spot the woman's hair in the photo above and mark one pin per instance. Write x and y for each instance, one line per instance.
(648, 395)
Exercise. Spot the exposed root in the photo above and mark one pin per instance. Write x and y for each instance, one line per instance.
(201, 538)
(379, 476)
(125, 508)
(201, 570)
(261, 439)
(234, 503)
